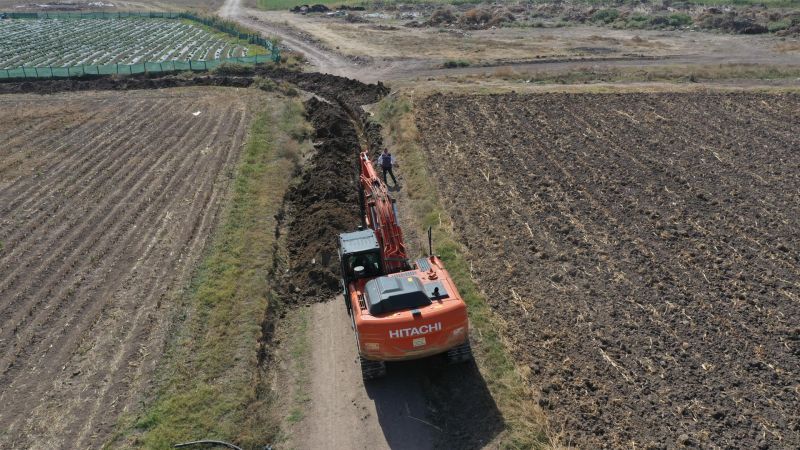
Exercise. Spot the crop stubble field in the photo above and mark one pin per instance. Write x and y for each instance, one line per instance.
(642, 252)
(106, 201)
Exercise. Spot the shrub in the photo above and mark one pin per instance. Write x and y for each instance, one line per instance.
(442, 15)
(233, 69)
(476, 16)
(265, 84)
(289, 90)
(679, 20)
(499, 16)
(605, 15)
(453, 63)
(637, 21)
(778, 26)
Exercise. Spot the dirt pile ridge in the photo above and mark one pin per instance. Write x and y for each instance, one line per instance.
(321, 205)
(334, 88)
(324, 201)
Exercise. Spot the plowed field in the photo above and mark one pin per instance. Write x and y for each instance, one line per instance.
(106, 203)
(642, 250)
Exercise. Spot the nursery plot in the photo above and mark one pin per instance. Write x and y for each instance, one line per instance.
(642, 250)
(106, 203)
(74, 42)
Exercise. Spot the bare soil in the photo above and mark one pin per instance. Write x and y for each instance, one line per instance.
(642, 250)
(381, 48)
(322, 204)
(341, 412)
(323, 201)
(107, 203)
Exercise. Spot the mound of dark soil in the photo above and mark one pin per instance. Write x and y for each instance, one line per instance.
(324, 202)
(351, 92)
(303, 9)
(331, 87)
(321, 205)
(106, 83)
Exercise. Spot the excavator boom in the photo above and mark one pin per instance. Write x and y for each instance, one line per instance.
(380, 214)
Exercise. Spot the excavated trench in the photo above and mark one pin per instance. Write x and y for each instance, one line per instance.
(323, 203)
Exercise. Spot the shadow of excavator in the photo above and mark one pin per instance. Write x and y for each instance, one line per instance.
(426, 404)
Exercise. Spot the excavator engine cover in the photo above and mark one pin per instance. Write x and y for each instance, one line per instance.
(390, 294)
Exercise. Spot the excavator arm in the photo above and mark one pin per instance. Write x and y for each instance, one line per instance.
(380, 214)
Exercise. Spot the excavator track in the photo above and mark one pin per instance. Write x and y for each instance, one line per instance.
(371, 370)
(460, 354)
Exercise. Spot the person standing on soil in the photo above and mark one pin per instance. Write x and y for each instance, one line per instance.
(387, 161)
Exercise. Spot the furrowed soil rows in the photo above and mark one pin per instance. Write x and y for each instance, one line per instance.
(642, 251)
(106, 201)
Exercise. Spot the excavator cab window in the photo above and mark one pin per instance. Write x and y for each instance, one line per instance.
(362, 265)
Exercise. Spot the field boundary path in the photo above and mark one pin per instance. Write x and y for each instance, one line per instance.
(322, 60)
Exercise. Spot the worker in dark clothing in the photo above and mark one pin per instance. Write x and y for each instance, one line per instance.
(387, 161)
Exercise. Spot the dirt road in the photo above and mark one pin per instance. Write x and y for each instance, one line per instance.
(323, 61)
(344, 414)
(103, 216)
(422, 404)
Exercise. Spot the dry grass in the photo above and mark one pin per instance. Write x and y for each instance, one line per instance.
(788, 47)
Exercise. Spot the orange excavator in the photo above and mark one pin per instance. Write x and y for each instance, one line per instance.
(399, 310)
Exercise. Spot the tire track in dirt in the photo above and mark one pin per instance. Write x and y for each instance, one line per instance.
(92, 346)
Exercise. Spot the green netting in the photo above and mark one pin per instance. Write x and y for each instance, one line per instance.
(127, 69)
(90, 15)
(155, 67)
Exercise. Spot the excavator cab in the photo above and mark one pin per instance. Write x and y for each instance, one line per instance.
(360, 257)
